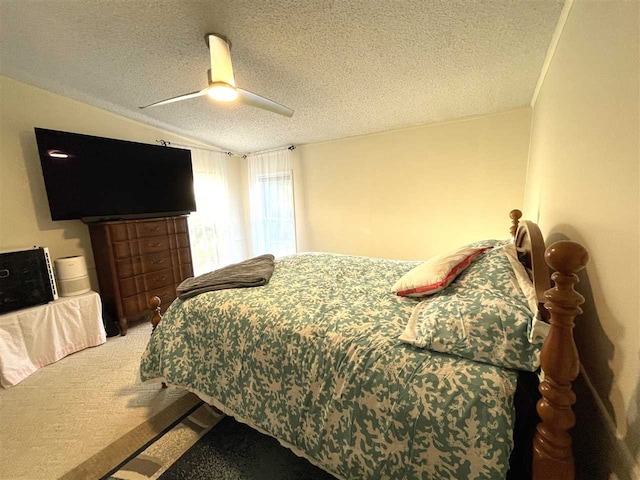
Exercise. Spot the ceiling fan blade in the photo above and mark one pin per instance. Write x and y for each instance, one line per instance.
(220, 53)
(248, 98)
(179, 98)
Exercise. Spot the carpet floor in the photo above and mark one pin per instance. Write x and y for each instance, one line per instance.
(207, 445)
(86, 413)
(152, 460)
(234, 451)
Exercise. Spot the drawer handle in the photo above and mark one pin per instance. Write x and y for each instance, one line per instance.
(4, 273)
(155, 244)
(163, 295)
(157, 262)
(153, 229)
(161, 279)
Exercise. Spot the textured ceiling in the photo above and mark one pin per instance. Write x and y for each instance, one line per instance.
(345, 67)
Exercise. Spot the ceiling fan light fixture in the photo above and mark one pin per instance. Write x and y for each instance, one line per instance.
(222, 85)
(222, 92)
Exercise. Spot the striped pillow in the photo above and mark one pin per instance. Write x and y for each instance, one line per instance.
(437, 273)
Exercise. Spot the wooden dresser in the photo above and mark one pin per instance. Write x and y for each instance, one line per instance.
(137, 259)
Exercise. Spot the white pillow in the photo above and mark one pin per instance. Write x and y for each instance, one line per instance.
(436, 273)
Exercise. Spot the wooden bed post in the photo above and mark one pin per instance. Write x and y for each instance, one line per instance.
(552, 455)
(515, 216)
(156, 316)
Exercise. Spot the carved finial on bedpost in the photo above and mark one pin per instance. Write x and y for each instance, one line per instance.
(515, 216)
(154, 304)
(552, 456)
(156, 316)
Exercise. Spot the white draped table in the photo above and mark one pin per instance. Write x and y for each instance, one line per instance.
(34, 337)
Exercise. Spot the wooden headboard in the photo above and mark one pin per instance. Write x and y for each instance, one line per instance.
(531, 249)
(552, 453)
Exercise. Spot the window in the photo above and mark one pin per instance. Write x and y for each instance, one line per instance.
(271, 204)
(216, 229)
(276, 214)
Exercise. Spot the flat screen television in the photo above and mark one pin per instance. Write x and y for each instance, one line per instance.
(95, 178)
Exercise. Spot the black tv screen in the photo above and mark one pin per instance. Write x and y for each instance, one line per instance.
(95, 178)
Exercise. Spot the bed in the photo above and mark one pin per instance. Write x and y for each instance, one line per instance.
(314, 358)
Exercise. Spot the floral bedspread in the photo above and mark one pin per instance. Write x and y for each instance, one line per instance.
(313, 358)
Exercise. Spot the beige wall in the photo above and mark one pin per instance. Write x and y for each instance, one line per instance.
(416, 192)
(24, 211)
(583, 180)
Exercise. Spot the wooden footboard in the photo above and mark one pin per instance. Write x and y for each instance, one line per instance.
(156, 316)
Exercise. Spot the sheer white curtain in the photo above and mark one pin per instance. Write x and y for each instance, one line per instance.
(216, 228)
(271, 205)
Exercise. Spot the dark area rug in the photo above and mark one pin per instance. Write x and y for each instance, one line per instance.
(233, 451)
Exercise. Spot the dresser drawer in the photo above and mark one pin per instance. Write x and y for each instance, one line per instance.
(126, 249)
(119, 232)
(137, 304)
(180, 225)
(155, 244)
(133, 248)
(152, 229)
(181, 241)
(180, 256)
(155, 262)
(147, 282)
(158, 279)
(128, 267)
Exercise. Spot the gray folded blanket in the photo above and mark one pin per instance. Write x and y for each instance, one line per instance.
(254, 272)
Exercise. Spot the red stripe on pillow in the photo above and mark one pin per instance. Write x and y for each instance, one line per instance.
(464, 263)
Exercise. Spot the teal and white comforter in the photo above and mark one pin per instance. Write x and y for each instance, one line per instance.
(313, 359)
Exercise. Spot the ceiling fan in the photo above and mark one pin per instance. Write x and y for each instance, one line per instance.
(222, 85)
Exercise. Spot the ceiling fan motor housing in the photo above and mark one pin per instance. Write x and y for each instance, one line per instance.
(221, 68)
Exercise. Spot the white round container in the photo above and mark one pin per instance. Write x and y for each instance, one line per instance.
(72, 276)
